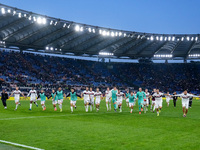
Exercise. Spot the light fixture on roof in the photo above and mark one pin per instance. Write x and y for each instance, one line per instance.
(182, 38)
(39, 20)
(29, 18)
(55, 23)
(89, 29)
(169, 38)
(106, 54)
(112, 33)
(47, 48)
(108, 33)
(51, 48)
(120, 33)
(81, 28)
(100, 31)
(196, 38)
(165, 38)
(161, 38)
(93, 30)
(192, 38)
(77, 28)
(64, 25)
(68, 26)
(25, 15)
(173, 38)
(51, 22)
(14, 12)
(148, 38)
(116, 33)
(104, 33)
(178, 39)
(124, 34)
(157, 38)
(34, 19)
(151, 38)
(20, 15)
(188, 38)
(9, 11)
(3, 11)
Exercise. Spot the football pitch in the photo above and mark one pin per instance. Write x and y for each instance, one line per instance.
(51, 130)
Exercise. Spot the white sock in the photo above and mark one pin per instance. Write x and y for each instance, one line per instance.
(127, 104)
(30, 106)
(90, 107)
(71, 108)
(151, 106)
(110, 106)
(144, 108)
(131, 110)
(157, 112)
(60, 106)
(154, 108)
(86, 108)
(107, 106)
(16, 106)
(120, 107)
(43, 106)
(35, 103)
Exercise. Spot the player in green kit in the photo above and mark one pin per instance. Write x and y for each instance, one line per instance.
(73, 98)
(131, 98)
(55, 101)
(127, 99)
(42, 96)
(60, 95)
(114, 97)
(140, 97)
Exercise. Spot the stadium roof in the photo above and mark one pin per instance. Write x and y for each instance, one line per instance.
(30, 31)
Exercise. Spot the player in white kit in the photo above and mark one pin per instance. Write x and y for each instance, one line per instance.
(119, 99)
(167, 98)
(98, 96)
(185, 101)
(86, 96)
(17, 94)
(146, 101)
(33, 97)
(108, 99)
(91, 99)
(158, 101)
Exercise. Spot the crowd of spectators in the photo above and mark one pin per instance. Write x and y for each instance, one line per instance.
(34, 70)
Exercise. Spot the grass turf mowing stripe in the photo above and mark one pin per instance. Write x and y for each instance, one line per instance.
(20, 145)
(83, 114)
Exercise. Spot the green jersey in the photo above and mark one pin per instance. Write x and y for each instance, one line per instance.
(131, 98)
(53, 94)
(127, 95)
(73, 96)
(59, 94)
(114, 96)
(42, 96)
(141, 95)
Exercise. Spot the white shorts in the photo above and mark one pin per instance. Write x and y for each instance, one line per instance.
(97, 101)
(73, 102)
(17, 100)
(146, 102)
(158, 103)
(131, 104)
(86, 101)
(33, 100)
(127, 100)
(60, 101)
(167, 100)
(54, 102)
(153, 102)
(108, 99)
(119, 102)
(185, 103)
(42, 102)
(92, 101)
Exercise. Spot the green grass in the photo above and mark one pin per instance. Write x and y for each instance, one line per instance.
(59, 131)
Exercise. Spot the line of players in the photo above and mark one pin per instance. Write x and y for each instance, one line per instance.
(90, 98)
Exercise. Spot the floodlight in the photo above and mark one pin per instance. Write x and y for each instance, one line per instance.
(77, 28)
(3, 11)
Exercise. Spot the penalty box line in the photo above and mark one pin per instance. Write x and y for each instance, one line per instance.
(83, 114)
(20, 145)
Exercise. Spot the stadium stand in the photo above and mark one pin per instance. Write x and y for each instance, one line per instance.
(33, 70)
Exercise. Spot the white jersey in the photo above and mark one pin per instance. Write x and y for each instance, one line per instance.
(158, 96)
(98, 95)
(147, 95)
(17, 94)
(32, 94)
(186, 97)
(120, 96)
(92, 94)
(167, 96)
(108, 94)
(86, 95)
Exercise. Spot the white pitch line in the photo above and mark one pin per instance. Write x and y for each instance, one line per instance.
(20, 145)
(32, 117)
